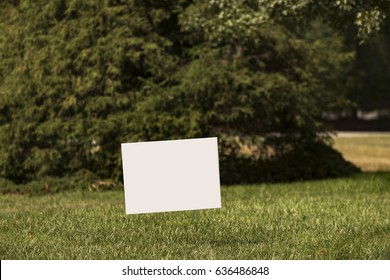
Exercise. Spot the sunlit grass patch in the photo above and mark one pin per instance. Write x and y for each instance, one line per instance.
(370, 153)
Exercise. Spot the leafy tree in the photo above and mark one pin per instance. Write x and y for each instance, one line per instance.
(369, 17)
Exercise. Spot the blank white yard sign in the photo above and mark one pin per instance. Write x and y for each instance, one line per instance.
(171, 175)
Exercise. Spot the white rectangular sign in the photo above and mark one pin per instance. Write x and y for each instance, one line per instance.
(171, 175)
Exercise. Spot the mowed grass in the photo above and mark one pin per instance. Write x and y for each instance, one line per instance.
(369, 151)
(345, 218)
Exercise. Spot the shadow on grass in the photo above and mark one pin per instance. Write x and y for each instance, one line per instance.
(310, 162)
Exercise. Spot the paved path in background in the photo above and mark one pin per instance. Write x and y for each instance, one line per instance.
(362, 134)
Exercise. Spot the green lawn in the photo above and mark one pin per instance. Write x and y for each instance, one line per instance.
(330, 219)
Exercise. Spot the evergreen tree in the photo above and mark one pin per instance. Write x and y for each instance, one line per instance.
(69, 74)
(79, 77)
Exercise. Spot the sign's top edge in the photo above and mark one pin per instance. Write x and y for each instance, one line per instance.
(171, 140)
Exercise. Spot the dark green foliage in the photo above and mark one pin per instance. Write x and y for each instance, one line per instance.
(77, 78)
(264, 90)
(69, 72)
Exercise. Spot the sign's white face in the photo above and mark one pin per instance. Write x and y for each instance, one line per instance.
(171, 175)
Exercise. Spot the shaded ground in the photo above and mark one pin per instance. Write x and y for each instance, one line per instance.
(353, 124)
